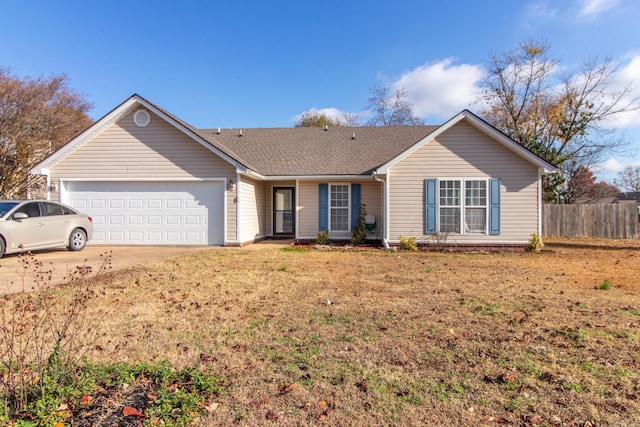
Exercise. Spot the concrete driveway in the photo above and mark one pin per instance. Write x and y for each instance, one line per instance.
(13, 277)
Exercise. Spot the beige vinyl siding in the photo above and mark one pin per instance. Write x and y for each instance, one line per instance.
(371, 196)
(158, 151)
(252, 209)
(465, 152)
(307, 209)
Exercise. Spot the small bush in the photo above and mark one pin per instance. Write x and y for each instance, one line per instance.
(605, 286)
(323, 238)
(359, 233)
(535, 243)
(408, 243)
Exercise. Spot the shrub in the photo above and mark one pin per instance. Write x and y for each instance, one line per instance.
(605, 286)
(323, 238)
(408, 243)
(359, 233)
(535, 243)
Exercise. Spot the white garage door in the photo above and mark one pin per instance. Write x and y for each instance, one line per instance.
(151, 213)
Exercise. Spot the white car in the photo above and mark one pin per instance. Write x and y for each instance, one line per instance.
(39, 224)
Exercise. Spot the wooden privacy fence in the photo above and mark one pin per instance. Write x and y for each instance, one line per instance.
(610, 221)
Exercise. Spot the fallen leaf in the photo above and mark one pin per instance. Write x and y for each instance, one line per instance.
(259, 403)
(284, 389)
(323, 404)
(205, 358)
(271, 416)
(86, 400)
(130, 411)
(212, 407)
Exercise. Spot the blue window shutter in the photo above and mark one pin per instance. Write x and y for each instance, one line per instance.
(323, 207)
(355, 205)
(430, 205)
(494, 206)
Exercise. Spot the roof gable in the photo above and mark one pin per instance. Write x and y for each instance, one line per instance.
(483, 127)
(128, 106)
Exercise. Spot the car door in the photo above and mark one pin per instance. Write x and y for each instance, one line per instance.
(28, 232)
(56, 224)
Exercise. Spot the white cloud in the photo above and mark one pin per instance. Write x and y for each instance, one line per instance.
(592, 8)
(331, 112)
(441, 89)
(540, 11)
(611, 165)
(607, 170)
(627, 77)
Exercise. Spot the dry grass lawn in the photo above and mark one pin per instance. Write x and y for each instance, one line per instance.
(374, 338)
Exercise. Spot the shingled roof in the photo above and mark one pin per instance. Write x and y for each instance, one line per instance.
(316, 151)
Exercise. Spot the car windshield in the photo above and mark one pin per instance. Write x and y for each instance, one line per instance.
(6, 207)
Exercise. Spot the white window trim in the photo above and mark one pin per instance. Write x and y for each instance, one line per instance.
(330, 208)
(463, 205)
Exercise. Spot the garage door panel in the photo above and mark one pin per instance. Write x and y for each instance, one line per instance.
(116, 204)
(79, 204)
(154, 204)
(151, 212)
(154, 220)
(135, 237)
(136, 203)
(173, 219)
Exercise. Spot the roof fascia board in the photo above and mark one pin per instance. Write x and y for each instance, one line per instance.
(482, 126)
(318, 177)
(247, 172)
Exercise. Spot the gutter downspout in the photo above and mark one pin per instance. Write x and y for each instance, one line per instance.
(385, 242)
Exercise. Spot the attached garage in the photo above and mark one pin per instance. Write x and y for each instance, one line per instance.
(150, 212)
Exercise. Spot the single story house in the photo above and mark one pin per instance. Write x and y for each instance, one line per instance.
(148, 177)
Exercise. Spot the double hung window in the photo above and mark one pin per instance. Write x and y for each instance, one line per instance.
(462, 206)
(339, 207)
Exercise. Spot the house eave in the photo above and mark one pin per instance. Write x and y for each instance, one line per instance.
(318, 177)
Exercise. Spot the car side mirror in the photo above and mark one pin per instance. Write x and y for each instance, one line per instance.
(20, 215)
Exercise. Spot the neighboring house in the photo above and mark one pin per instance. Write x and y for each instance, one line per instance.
(628, 197)
(147, 177)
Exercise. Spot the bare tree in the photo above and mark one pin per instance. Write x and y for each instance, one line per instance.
(350, 119)
(628, 179)
(37, 116)
(564, 120)
(391, 108)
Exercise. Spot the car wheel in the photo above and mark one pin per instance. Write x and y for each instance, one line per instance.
(77, 240)
(3, 247)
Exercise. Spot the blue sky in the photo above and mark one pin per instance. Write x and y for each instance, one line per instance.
(261, 64)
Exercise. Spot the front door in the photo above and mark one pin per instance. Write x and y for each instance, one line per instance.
(283, 211)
